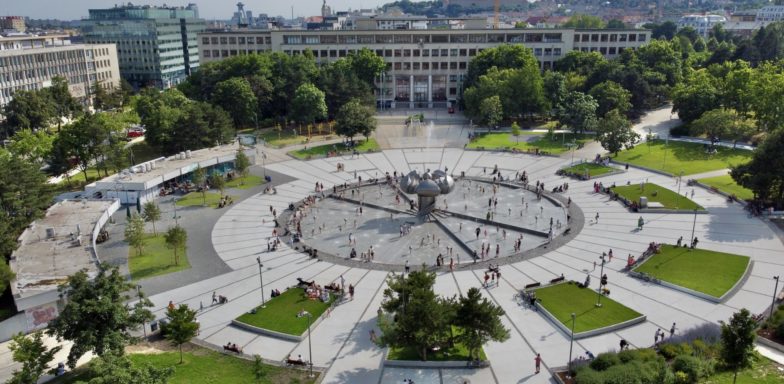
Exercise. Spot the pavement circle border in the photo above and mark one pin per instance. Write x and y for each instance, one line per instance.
(574, 228)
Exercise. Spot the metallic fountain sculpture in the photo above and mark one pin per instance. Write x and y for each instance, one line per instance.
(427, 187)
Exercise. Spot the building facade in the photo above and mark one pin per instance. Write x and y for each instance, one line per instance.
(156, 45)
(771, 13)
(701, 23)
(15, 23)
(425, 68)
(30, 62)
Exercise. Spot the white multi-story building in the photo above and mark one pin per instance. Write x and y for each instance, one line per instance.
(771, 13)
(701, 23)
(425, 68)
(30, 62)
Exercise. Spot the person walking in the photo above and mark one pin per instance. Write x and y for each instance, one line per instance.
(656, 336)
(214, 297)
(351, 291)
(672, 331)
(538, 362)
(408, 269)
(596, 219)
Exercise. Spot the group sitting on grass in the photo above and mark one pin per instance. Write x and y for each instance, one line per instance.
(224, 201)
(232, 348)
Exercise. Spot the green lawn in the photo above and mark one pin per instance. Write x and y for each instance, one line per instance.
(321, 150)
(280, 313)
(690, 158)
(562, 300)
(593, 169)
(524, 142)
(201, 366)
(247, 182)
(286, 137)
(727, 185)
(762, 371)
(709, 272)
(669, 199)
(156, 258)
(458, 352)
(194, 199)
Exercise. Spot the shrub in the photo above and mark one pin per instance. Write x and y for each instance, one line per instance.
(703, 350)
(689, 365)
(682, 378)
(669, 351)
(707, 332)
(604, 361)
(625, 373)
(681, 130)
(588, 376)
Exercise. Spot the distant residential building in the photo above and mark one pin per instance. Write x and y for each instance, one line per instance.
(744, 16)
(16, 23)
(379, 22)
(701, 23)
(30, 63)
(771, 13)
(425, 67)
(157, 46)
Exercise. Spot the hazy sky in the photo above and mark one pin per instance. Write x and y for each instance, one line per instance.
(208, 9)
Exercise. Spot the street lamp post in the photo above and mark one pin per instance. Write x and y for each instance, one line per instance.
(693, 226)
(599, 291)
(310, 348)
(144, 323)
(174, 204)
(261, 280)
(571, 343)
(680, 180)
(775, 291)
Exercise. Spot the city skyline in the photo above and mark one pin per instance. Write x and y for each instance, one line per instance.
(77, 9)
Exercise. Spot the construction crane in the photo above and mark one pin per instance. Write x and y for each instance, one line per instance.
(497, 12)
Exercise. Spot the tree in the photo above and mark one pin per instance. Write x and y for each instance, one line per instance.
(200, 125)
(341, 83)
(763, 174)
(614, 132)
(96, 316)
(114, 368)
(353, 119)
(63, 103)
(520, 91)
(152, 213)
(508, 56)
(737, 341)
(158, 112)
(767, 90)
(308, 104)
(554, 89)
(217, 180)
(584, 22)
(366, 64)
(491, 111)
(198, 179)
(615, 24)
(181, 327)
(134, 233)
(176, 239)
(34, 356)
(259, 371)
(27, 110)
(665, 30)
(241, 165)
(718, 123)
(695, 96)
(609, 96)
(103, 99)
(34, 146)
(236, 97)
(480, 321)
(415, 316)
(579, 112)
(516, 131)
(84, 139)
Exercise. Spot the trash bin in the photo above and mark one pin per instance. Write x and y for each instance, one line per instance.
(643, 202)
(153, 326)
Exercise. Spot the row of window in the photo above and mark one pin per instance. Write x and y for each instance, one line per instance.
(214, 40)
(32, 59)
(425, 38)
(611, 37)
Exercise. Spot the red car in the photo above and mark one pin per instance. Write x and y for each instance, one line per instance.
(135, 133)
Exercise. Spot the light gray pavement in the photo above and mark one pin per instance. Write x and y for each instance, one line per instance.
(341, 343)
(720, 172)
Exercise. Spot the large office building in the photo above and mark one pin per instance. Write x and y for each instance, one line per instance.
(156, 45)
(12, 23)
(30, 63)
(425, 67)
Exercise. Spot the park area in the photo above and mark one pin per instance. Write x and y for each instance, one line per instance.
(246, 182)
(362, 146)
(195, 199)
(156, 258)
(593, 169)
(726, 184)
(287, 137)
(657, 194)
(455, 352)
(676, 156)
(712, 273)
(279, 314)
(528, 141)
(561, 300)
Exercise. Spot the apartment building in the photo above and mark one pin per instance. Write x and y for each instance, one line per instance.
(156, 45)
(703, 24)
(13, 23)
(425, 68)
(30, 62)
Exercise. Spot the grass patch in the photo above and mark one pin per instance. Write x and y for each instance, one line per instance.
(280, 313)
(727, 185)
(664, 196)
(202, 366)
(156, 258)
(562, 300)
(247, 182)
(362, 146)
(593, 169)
(195, 199)
(762, 371)
(287, 137)
(458, 352)
(690, 158)
(554, 145)
(709, 272)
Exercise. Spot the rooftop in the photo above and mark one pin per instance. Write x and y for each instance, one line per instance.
(56, 246)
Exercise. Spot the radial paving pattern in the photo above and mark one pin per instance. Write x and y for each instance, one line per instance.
(340, 342)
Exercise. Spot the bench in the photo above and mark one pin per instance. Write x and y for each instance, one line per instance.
(557, 280)
(533, 285)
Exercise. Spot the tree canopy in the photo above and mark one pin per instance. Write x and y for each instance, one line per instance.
(354, 118)
(764, 174)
